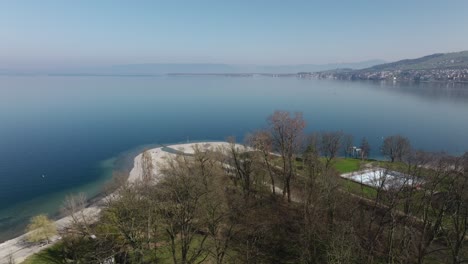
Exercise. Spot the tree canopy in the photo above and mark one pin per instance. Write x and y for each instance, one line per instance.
(40, 229)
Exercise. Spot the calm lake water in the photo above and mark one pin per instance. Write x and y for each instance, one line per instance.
(61, 135)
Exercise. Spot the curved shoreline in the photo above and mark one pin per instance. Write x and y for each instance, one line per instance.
(19, 249)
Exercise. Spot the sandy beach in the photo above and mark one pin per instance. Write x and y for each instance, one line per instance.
(19, 249)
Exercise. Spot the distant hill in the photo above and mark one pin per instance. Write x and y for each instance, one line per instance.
(194, 68)
(206, 68)
(434, 61)
(315, 67)
(164, 68)
(444, 67)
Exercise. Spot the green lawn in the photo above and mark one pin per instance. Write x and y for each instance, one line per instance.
(342, 165)
(345, 165)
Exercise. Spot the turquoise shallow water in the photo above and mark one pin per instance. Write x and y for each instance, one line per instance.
(74, 130)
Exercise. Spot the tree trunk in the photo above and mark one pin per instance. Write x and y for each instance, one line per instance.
(272, 178)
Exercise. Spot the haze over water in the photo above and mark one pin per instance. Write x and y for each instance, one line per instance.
(63, 134)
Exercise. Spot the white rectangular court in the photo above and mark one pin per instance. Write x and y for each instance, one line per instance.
(383, 178)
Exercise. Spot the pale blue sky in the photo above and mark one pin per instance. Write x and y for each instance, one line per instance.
(98, 32)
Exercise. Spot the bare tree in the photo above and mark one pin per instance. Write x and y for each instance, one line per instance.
(180, 195)
(287, 132)
(330, 144)
(381, 215)
(396, 147)
(322, 209)
(464, 162)
(348, 143)
(431, 206)
(242, 165)
(311, 211)
(312, 163)
(215, 212)
(342, 246)
(147, 166)
(263, 141)
(74, 206)
(457, 228)
(132, 215)
(365, 148)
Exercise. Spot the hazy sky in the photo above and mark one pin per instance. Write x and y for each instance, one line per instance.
(43, 33)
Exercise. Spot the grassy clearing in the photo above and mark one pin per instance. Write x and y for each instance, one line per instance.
(358, 189)
(46, 256)
(346, 165)
(163, 253)
(342, 165)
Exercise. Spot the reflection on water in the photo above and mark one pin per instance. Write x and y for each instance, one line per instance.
(457, 92)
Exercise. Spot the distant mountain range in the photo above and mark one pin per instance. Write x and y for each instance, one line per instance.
(311, 67)
(435, 67)
(196, 68)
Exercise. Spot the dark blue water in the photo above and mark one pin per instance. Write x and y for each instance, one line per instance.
(73, 129)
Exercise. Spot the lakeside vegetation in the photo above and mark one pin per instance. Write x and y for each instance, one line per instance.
(237, 206)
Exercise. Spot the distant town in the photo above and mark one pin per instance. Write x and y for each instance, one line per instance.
(430, 75)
